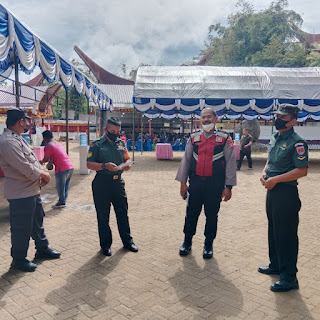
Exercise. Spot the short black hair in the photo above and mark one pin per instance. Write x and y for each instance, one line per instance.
(114, 120)
(213, 112)
(47, 134)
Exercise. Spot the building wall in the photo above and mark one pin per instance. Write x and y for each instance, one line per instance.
(308, 132)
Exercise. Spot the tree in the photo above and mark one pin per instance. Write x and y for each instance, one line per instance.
(264, 38)
(313, 59)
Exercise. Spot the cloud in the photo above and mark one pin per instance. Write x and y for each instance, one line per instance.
(132, 32)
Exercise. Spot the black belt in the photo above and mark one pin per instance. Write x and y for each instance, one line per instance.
(202, 178)
(111, 176)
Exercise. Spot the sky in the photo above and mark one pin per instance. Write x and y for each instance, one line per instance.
(117, 32)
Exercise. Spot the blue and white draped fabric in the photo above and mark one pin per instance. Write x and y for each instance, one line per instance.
(31, 51)
(315, 116)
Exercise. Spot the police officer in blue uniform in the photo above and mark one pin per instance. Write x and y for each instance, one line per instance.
(287, 162)
(104, 156)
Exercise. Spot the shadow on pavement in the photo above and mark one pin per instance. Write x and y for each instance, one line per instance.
(290, 305)
(206, 290)
(86, 287)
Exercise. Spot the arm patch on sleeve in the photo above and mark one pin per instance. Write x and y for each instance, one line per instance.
(300, 150)
(230, 143)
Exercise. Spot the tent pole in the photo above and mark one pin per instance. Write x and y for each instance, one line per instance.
(191, 130)
(67, 122)
(88, 109)
(133, 132)
(16, 79)
(141, 133)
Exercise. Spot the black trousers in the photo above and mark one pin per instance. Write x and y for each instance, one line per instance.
(26, 219)
(283, 205)
(207, 192)
(106, 191)
(245, 153)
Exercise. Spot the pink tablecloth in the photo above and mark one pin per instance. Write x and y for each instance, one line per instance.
(164, 151)
(39, 152)
(237, 151)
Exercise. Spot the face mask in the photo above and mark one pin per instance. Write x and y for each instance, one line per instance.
(27, 128)
(208, 127)
(112, 136)
(280, 124)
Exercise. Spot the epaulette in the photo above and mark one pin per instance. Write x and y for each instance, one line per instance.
(196, 134)
(223, 134)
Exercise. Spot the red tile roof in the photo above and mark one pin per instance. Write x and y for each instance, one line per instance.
(36, 81)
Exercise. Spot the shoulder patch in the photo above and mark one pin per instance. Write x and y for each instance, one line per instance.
(300, 150)
(230, 143)
(89, 154)
(299, 144)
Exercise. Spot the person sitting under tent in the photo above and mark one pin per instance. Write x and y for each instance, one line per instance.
(176, 145)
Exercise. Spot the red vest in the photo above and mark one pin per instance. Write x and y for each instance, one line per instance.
(208, 157)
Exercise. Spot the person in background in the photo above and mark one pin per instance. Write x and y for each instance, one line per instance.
(123, 137)
(287, 162)
(209, 162)
(245, 148)
(24, 177)
(104, 156)
(55, 154)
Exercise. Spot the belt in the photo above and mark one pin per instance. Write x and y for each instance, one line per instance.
(204, 178)
(110, 176)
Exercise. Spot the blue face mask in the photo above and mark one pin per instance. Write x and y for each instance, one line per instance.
(280, 124)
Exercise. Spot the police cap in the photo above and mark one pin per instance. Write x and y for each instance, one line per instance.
(14, 115)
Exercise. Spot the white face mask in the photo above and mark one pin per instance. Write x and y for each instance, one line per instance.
(208, 127)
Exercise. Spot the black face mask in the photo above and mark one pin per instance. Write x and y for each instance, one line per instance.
(112, 136)
(280, 124)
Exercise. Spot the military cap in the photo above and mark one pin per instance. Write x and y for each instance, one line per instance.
(286, 108)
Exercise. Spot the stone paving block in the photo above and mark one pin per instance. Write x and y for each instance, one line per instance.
(5, 315)
(42, 316)
(156, 283)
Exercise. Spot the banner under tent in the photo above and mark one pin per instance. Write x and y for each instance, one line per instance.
(233, 92)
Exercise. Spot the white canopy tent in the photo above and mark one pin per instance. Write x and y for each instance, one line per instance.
(233, 92)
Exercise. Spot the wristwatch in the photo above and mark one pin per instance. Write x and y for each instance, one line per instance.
(103, 166)
(229, 187)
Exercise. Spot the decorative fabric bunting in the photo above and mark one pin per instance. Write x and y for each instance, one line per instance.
(31, 51)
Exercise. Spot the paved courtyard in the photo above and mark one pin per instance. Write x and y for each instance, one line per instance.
(156, 283)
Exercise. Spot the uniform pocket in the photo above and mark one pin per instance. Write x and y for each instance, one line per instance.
(29, 155)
